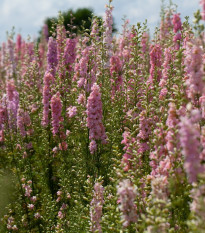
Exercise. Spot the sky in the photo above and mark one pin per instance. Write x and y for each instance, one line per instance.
(27, 16)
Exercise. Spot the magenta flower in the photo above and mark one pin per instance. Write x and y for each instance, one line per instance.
(127, 194)
(189, 139)
(71, 111)
(94, 117)
(155, 63)
(52, 56)
(177, 23)
(69, 51)
(96, 208)
(56, 108)
(202, 3)
(194, 69)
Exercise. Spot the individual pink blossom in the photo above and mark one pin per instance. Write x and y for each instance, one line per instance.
(31, 206)
(61, 215)
(96, 206)
(63, 145)
(56, 108)
(28, 190)
(71, 111)
(1, 135)
(37, 215)
(81, 99)
(127, 194)
(33, 199)
(163, 93)
(93, 146)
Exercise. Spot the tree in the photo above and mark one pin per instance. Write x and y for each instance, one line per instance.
(78, 19)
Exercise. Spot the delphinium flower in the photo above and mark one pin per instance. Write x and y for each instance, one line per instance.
(198, 207)
(94, 117)
(127, 193)
(52, 60)
(96, 206)
(11, 225)
(2, 121)
(163, 93)
(165, 26)
(193, 62)
(56, 108)
(81, 99)
(61, 39)
(166, 66)
(177, 27)
(48, 80)
(107, 35)
(45, 32)
(202, 105)
(202, 141)
(155, 64)
(172, 124)
(95, 30)
(69, 53)
(202, 3)
(128, 142)
(27, 188)
(158, 221)
(144, 132)
(145, 43)
(71, 111)
(12, 103)
(30, 51)
(115, 72)
(23, 120)
(189, 139)
(123, 40)
(18, 44)
(160, 162)
(12, 67)
(82, 69)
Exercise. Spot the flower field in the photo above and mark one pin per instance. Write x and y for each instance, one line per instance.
(104, 134)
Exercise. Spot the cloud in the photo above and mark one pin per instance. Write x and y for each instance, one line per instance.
(28, 15)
